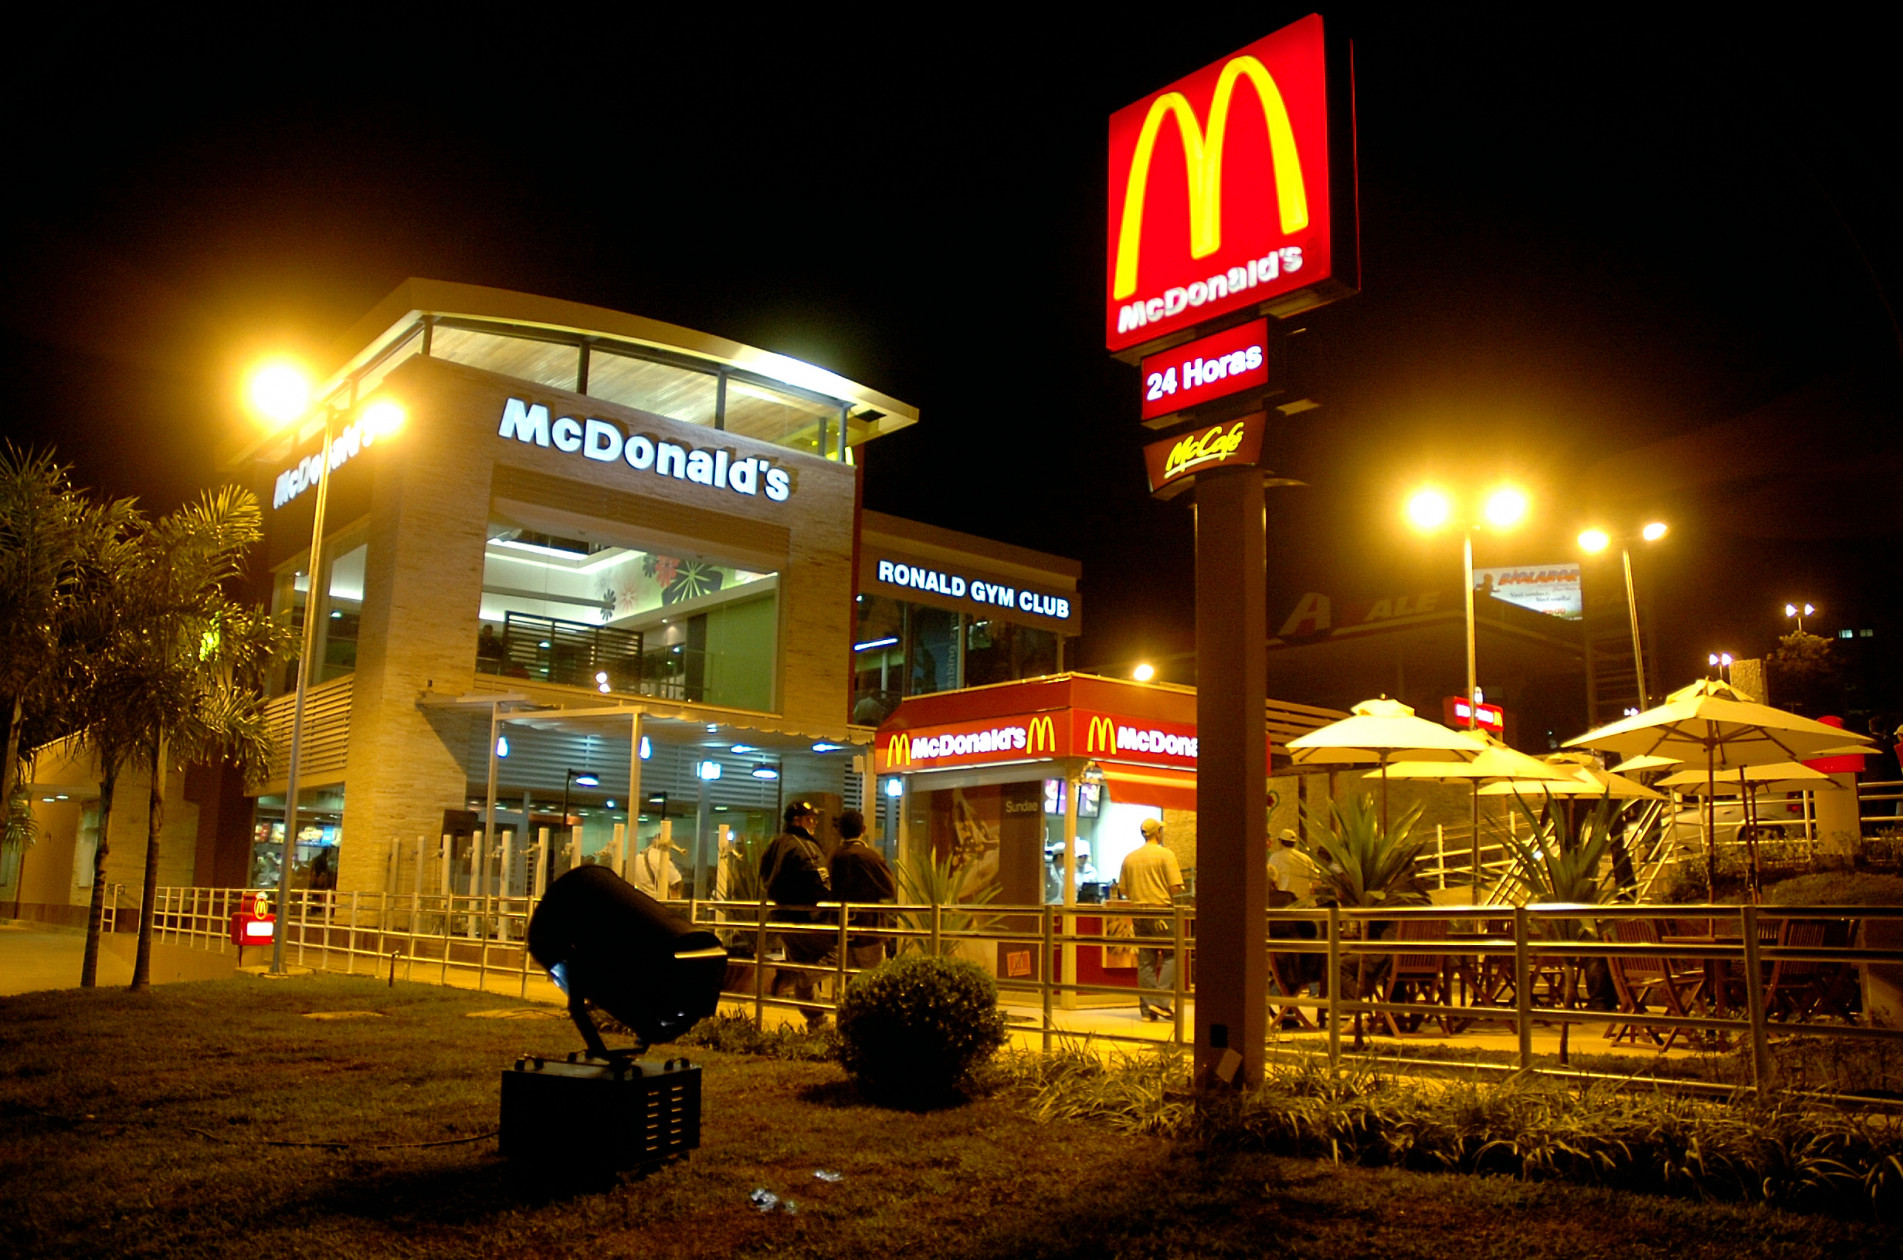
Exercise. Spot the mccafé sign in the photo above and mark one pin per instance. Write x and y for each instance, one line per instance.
(1065, 733)
(1224, 193)
(1174, 461)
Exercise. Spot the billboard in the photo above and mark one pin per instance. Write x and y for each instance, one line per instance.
(1206, 369)
(1552, 589)
(1233, 189)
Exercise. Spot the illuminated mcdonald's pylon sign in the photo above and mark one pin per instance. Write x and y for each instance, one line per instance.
(1202, 153)
(1042, 737)
(899, 751)
(1101, 736)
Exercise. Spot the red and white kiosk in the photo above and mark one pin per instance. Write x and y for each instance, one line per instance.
(1041, 787)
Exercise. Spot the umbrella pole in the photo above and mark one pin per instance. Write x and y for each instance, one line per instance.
(1476, 839)
(1384, 792)
(1745, 790)
(1709, 814)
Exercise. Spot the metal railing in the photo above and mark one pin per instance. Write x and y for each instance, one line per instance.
(1520, 965)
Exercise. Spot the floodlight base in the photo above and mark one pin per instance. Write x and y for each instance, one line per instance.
(588, 1116)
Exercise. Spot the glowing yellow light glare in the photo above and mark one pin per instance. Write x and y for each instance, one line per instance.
(383, 418)
(1429, 508)
(1790, 610)
(279, 392)
(1505, 506)
(1594, 540)
(1143, 672)
(1653, 532)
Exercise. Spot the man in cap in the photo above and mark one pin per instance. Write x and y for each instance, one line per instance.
(1151, 877)
(793, 873)
(861, 876)
(1290, 869)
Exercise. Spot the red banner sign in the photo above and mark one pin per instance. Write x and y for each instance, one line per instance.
(1206, 369)
(1489, 717)
(1107, 737)
(1220, 190)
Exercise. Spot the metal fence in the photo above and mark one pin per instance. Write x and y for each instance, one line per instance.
(1521, 967)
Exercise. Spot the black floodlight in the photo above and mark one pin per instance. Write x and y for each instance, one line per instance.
(610, 945)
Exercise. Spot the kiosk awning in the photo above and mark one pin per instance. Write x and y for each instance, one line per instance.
(1162, 789)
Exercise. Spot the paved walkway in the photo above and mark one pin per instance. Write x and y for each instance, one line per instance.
(35, 956)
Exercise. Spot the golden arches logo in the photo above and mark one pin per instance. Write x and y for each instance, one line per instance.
(899, 751)
(1041, 735)
(1202, 159)
(1101, 737)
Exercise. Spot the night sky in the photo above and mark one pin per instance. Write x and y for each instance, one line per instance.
(1578, 240)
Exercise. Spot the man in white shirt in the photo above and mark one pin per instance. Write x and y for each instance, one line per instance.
(1151, 877)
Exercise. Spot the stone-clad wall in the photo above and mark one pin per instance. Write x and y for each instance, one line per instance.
(430, 506)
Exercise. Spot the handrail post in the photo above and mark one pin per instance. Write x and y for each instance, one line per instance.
(1754, 1000)
(1334, 988)
(1522, 988)
(1179, 985)
(839, 984)
(938, 921)
(759, 964)
(1046, 966)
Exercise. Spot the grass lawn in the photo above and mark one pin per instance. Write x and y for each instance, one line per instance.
(143, 1125)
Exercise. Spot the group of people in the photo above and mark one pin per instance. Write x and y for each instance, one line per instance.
(797, 875)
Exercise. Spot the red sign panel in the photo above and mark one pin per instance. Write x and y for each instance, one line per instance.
(1173, 462)
(1490, 717)
(1206, 369)
(1220, 190)
(1110, 737)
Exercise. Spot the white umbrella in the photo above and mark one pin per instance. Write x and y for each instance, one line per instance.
(1713, 724)
(1778, 776)
(1577, 780)
(1375, 731)
(1497, 762)
(1633, 765)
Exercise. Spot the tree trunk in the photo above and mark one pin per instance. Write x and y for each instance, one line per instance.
(148, 897)
(96, 916)
(19, 881)
(11, 767)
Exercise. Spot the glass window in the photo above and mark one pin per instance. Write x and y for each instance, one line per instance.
(780, 418)
(343, 615)
(999, 651)
(544, 362)
(290, 587)
(612, 615)
(662, 388)
(932, 642)
(878, 659)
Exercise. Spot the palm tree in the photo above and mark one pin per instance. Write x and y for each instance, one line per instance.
(178, 670)
(1366, 864)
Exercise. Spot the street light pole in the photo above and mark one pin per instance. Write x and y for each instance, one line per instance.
(297, 703)
(1632, 612)
(1473, 683)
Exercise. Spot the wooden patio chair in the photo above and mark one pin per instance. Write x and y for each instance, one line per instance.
(1420, 977)
(1798, 987)
(1638, 981)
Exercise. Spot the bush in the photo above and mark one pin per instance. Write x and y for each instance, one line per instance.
(912, 1030)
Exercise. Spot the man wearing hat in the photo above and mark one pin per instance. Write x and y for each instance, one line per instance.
(1290, 869)
(1151, 877)
(793, 872)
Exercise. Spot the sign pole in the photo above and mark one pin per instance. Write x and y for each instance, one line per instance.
(1231, 792)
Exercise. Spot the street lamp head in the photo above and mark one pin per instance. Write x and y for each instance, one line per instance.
(382, 418)
(1505, 507)
(1594, 540)
(1790, 610)
(1429, 508)
(1144, 672)
(279, 392)
(1653, 532)
(584, 778)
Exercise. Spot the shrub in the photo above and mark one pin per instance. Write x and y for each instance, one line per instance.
(912, 1030)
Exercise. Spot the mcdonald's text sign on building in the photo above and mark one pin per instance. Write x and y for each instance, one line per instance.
(1233, 189)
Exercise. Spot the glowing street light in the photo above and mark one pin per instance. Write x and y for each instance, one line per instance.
(279, 394)
(1144, 672)
(1799, 612)
(1592, 542)
(1430, 508)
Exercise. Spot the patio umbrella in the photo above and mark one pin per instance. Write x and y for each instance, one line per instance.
(1715, 725)
(1375, 731)
(1633, 765)
(1748, 781)
(1576, 776)
(1497, 762)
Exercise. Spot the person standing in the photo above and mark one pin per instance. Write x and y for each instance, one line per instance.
(654, 871)
(1290, 868)
(861, 876)
(1151, 877)
(793, 873)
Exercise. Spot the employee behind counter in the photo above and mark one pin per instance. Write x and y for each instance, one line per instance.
(1091, 887)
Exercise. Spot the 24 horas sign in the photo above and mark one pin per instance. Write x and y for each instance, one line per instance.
(1233, 189)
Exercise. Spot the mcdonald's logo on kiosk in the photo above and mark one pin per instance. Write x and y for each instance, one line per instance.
(1043, 736)
(1233, 189)
(1101, 736)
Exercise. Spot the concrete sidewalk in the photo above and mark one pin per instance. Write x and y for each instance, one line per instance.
(35, 956)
